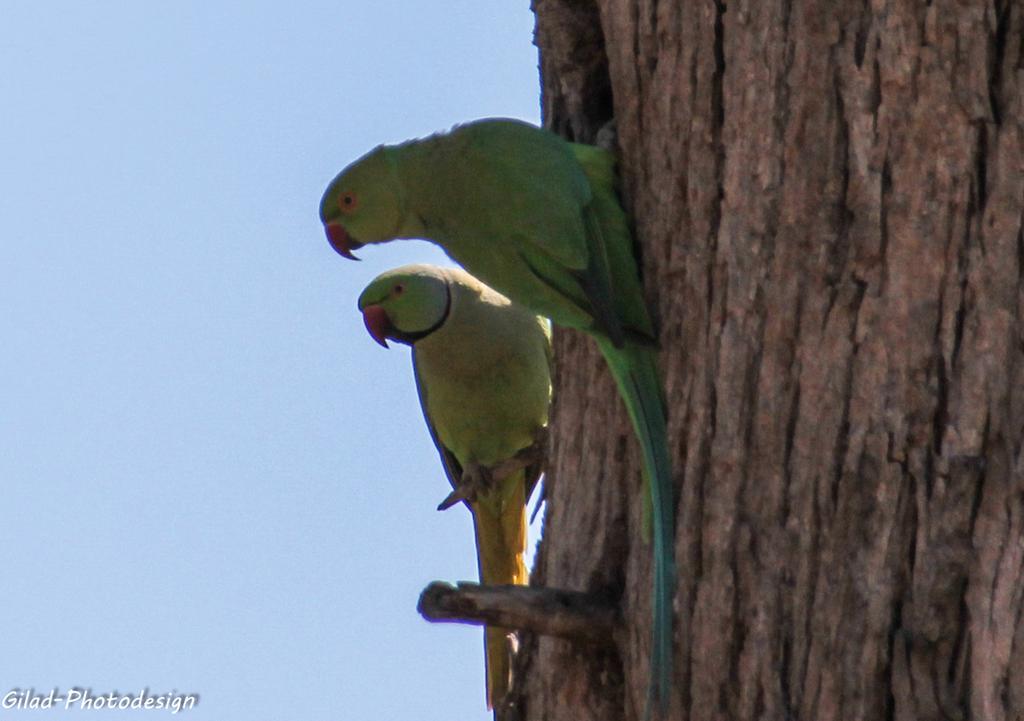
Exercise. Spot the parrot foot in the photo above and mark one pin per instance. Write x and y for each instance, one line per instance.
(475, 478)
(523, 459)
(607, 137)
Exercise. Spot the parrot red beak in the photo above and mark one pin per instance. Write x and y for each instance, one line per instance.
(341, 241)
(377, 323)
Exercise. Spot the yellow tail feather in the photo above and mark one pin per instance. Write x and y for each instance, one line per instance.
(499, 518)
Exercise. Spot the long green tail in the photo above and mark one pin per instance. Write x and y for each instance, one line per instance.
(636, 373)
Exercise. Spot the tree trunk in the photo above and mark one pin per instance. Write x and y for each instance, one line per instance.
(828, 200)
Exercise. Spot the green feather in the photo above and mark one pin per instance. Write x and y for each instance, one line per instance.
(538, 219)
(636, 376)
(482, 367)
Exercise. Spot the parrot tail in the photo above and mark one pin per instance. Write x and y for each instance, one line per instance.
(499, 518)
(635, 370)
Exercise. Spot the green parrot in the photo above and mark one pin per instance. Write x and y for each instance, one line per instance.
(538, 219)
(483, 372)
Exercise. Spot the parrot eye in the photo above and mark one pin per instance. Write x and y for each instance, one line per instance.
(348, 201)
(399, 289)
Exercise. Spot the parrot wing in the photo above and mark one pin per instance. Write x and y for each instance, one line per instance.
(536, 470)
(451, 465)
(561, 226)
(533, 473)
(502, 155)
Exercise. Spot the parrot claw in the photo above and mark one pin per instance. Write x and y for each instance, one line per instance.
(459, 494)
(475, 479)
(543, 496)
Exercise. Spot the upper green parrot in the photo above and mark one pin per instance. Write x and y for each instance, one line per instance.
(482, 367)
(537, 218)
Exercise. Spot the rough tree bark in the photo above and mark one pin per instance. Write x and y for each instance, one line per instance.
(828, 201)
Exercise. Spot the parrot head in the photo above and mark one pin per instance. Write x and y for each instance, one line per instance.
(406, 304)
(363, 204)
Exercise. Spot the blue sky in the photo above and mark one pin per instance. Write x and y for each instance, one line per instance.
(214, 481)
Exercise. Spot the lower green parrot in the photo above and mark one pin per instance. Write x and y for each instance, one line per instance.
(482, 367)
(537, 218)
